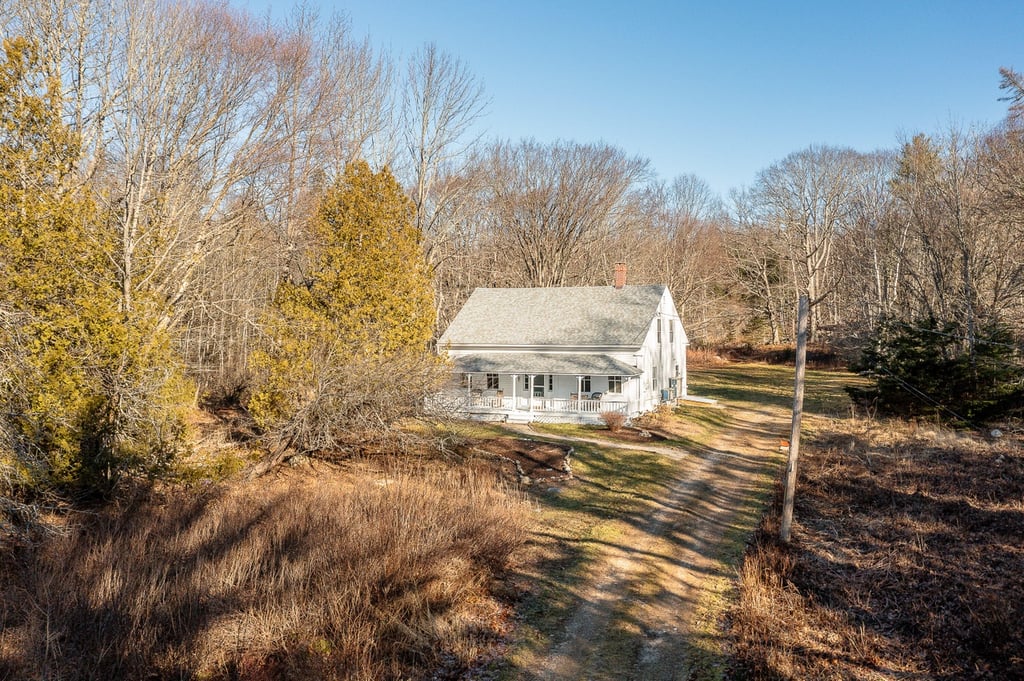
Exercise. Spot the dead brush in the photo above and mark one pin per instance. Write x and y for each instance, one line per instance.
(613, 420)
(702, 356)
(906, 557)
(376, 577)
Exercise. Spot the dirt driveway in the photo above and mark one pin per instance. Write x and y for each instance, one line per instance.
(635, 617)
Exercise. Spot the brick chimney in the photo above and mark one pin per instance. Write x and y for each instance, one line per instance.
(620, 274)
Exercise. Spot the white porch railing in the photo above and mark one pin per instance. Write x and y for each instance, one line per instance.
(561, 404)
(525, 408)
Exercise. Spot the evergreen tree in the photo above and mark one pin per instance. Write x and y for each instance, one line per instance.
(347, 352)
(89, 393)
(927, 368)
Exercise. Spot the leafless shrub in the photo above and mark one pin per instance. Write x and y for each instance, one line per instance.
(614, 420)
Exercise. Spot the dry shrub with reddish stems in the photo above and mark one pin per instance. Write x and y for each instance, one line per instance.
(907, 561)
(614, 420)
(381, 576)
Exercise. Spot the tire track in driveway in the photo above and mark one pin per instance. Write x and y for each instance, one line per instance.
(636, 612)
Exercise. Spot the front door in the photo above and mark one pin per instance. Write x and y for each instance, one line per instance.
(538, 385)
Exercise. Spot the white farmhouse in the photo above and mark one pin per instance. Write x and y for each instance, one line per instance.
(566, 354)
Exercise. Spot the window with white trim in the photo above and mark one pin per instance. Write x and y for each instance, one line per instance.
(657, 323)
(585, 384)
(615, 384)
(671, 331)
(492, 381)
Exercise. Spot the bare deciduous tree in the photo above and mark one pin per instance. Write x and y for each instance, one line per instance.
(965, 262)
(677, 241)
(872, 251)
(442, 101)
(759, 270)
(550, 203)
(808, 196)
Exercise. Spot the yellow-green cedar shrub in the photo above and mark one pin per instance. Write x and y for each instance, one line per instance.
(347, 351)
(91, 391)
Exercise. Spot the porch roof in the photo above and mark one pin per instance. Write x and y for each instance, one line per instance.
(537, 363)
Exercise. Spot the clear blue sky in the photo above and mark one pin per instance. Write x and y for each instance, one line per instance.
(718, 89)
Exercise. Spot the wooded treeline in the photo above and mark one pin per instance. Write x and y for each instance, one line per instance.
(205, 139)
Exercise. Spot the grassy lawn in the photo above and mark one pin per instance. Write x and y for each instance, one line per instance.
(761, 385)
(615, 488)
(612, 489)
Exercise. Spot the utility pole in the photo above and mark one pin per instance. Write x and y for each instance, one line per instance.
(798, 408)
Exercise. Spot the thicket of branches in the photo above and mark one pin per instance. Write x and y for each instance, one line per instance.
(205, 140)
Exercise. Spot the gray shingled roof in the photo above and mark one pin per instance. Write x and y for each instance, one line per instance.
(535, 363)
(569, 316)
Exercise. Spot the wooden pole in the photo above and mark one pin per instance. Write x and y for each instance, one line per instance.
(798, 408)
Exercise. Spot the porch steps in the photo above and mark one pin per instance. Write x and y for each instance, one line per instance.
(490, 418)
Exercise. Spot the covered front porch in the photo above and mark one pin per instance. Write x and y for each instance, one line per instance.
(554, 409)
(556, 387)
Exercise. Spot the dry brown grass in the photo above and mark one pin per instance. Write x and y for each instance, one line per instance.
(703, 356)
(376, 575)
(906, 562)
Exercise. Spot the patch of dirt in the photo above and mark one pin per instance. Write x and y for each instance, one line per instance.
(528, 460)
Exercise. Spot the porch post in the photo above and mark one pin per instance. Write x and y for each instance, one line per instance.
(515, 379)
(469, 386)
(579, 391)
